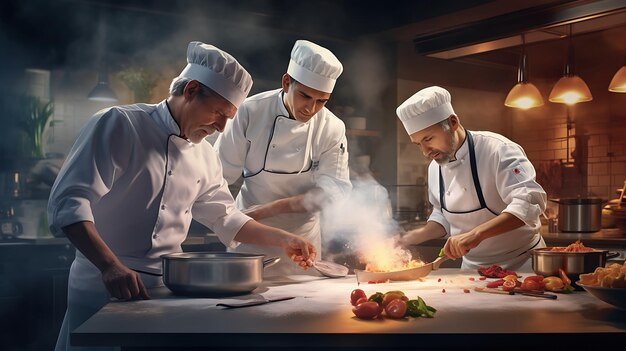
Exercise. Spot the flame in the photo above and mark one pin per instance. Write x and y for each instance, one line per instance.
(386, 256)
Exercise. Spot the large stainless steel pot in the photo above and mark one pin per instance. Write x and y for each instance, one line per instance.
(579, 214)
(547, 263)
(214, 273)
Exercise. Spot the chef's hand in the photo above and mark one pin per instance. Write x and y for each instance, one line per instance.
(124, 283)
(300, 251)
(459, 245)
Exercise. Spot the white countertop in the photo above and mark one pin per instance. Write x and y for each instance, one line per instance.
(321, 315)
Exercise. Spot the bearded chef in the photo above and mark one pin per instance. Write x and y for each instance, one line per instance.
(481, 185)
(290, 150)
(136, 176)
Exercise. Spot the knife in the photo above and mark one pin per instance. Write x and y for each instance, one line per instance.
(516, 292)
(254, 303)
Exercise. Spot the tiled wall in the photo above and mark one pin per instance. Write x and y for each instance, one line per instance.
(594, 164)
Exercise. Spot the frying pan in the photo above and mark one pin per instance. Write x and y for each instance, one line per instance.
(405, 274)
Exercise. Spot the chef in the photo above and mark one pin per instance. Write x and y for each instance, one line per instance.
(136, 176)
(290, 150)
(481, 185)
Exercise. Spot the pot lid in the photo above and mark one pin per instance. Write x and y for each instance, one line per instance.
(579, 200)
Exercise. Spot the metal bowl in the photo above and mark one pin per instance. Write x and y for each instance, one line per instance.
(613, 296)
(214, 273)
(547, 263)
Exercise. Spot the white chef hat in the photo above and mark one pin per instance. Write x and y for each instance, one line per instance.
(218, 70)
(314, 66)
(425, 108)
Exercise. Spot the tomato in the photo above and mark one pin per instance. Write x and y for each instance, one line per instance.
(396, 309)
(496, 283)
(361, 300)
(531, 285)
(356, 295)
(510, 277)
(537, 278)
(390, 297)
(366, 310)
(509, 285)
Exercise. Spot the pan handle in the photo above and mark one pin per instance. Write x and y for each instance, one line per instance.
(270, 261)
(612, 255)
(439, 261)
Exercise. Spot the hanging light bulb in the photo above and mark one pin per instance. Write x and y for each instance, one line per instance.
(570, 89)
(618, 83)
(523, 95)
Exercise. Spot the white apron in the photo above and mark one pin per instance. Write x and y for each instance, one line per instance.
(281, 177)
(86, 294)
(495, 250)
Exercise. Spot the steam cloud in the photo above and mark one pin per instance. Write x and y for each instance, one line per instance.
(362, 224)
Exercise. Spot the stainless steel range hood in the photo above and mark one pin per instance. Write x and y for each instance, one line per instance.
(542, 23)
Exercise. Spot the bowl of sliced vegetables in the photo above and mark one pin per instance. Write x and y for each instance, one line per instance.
(607, 284)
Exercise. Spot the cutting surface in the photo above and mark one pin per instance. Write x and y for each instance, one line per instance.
(322, 308)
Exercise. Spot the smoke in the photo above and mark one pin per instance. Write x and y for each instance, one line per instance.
(362, 225)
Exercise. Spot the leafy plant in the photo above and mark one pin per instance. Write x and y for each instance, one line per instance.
(140, 80)
(35, 115)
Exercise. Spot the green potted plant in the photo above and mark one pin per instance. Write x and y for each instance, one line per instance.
(35, 115)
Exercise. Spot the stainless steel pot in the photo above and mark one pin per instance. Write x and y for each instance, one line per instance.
(579, 214)
(547, 263)
(214, 273)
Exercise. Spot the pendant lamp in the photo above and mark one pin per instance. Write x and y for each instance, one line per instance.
(618, 83)
(102, 91)
(523, 95)
(570, 89)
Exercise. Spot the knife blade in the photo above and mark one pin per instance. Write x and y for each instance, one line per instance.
(254, 303)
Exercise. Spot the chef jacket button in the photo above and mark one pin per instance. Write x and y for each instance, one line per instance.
(448, 193)
(186, 211)
(198, 182)
(154, 236)
(170, 172)
(464, 189)
(273, 145)
(162, 207)
(298, 149)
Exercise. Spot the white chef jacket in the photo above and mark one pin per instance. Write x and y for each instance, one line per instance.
(507, 182)
(281, 157)
(140, 183)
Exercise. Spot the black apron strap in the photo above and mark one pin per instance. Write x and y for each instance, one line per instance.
(477, 187)
(441, 190)
(472, 154)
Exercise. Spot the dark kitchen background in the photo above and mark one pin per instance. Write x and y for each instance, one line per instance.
(53, 53)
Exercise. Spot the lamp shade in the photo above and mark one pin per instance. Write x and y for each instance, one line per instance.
(570, 89)
(618, 83)
(524, 95)
(102, 92)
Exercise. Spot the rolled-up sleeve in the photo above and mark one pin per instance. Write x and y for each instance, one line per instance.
(92, 166)
(517, 185)
(216, 209)
(232, 145)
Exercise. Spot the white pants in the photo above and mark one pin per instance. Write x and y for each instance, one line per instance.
(85, 296)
